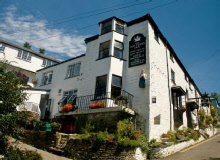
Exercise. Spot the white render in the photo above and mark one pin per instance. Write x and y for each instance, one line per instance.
(158, 83)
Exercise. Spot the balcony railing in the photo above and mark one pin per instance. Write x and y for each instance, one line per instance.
(104, 100)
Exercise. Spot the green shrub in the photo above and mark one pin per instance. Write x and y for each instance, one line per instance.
(88, 127)
(128, 143)
(17, 154)
(125, 129)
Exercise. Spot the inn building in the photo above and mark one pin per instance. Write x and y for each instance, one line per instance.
(129, 68)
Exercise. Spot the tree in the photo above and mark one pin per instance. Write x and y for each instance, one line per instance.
(27, 45)
(41, 50)
(214, 95)
(12, 95)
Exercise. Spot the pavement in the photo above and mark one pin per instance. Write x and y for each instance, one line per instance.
(44, 154)
(206, 150)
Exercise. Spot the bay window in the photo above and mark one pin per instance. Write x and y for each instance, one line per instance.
(116, 86)
(119, 27)
(106, 27)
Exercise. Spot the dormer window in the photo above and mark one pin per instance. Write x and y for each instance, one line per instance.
(106, 27)
(119, 27)
(24, 55)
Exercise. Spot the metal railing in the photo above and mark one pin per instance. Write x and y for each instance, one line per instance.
(107, 99)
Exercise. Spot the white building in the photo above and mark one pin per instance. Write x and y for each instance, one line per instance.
(27, 62)
(24, 60)
(112, 65)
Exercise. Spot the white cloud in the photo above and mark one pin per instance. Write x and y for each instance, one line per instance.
(28, 28)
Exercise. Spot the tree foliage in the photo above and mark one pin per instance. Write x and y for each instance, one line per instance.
(214, 95)
(12, 95)
(41, 50)
(27, 45)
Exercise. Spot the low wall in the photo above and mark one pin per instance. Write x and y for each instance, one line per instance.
(84, 150)
(178, 147)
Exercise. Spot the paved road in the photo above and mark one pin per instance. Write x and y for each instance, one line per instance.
(206, 150)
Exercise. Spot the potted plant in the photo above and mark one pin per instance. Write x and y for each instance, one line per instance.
(165, 137)
(121, 100)
(34, 81)
(97, 104)
(67, 108)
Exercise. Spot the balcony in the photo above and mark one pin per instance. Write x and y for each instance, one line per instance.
(105, 102)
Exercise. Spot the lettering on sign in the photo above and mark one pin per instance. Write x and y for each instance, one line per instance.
(137, 50)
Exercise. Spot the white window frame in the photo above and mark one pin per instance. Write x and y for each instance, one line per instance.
(70, 97)
(172, 76)
(47, 78)
(2, 47)
(73, 70)
(118, 49)
(120, 25)
(21, 55)
(101, 51)
(47, 63)
(107, 28)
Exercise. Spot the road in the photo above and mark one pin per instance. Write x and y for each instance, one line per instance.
(206, 150)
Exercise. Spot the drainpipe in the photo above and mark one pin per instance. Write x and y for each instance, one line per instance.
(168, 78)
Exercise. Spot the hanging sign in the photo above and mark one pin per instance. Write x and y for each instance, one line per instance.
(137, 50)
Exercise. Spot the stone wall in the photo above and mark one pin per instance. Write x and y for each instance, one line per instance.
(86, 150)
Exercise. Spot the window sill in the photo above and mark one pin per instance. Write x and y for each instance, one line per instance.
(102, 58)
(111, 56)
(71, 77)
(113, 31)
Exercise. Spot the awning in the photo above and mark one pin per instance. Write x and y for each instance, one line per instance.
(192, 104)
(178, 89)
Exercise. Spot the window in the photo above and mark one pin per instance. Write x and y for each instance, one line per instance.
(106, 27)
(118, 50)
(2, 47)
(190, 86)
(47, 63)
(116, 86)
(104, 50)
(177, 108)
(171, 56)
(47, 78)
(68, 97)
(186, 78)
(119, 27)
(156, 36)
(101, 83)
(73, 70)
(24, 55)
(173, 76)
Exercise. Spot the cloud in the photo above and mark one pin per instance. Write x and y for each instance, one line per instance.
(40, 34)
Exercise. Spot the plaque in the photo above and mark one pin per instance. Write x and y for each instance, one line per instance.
(137, 50)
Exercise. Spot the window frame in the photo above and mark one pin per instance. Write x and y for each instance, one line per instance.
(172, 76)
(107, 28)
(2, 47)
(109, 41)
(120, 25)
(171, 57)
(21, 55)
(115, 87)
(46, 82)
(116, 48)
(73, 70)
(99, 91)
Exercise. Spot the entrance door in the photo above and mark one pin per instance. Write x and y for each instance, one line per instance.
(100, 90)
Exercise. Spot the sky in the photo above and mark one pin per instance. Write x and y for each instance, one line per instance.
(192, 27)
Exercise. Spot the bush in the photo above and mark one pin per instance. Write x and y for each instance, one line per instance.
(17, 154)
(88, 127)
(125, 129)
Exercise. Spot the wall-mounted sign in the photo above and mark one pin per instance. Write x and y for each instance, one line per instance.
(154, 100)
(137, 50)
(157, 120)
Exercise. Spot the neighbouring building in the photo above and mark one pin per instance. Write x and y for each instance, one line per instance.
(24, 60)
(128, 67)
(27, 62)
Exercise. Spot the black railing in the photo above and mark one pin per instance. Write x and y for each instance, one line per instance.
(104, 100)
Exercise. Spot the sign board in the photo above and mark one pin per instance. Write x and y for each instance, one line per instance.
(157, 120)
(137, 50)
(154, 100)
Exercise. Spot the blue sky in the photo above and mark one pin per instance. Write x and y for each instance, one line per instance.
(191, 26)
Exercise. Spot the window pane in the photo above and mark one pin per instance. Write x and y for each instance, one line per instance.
(104, 49)
(106, 27)
(29, 57)
(104, 53)
(19, 53)
(104, 45)
(24, 55)
(101, 83)
(119, 45)
(116, 81)
(118, 53)
(44, 62)
(119, 28)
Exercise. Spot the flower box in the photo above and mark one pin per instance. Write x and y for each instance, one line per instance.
(97, 104)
